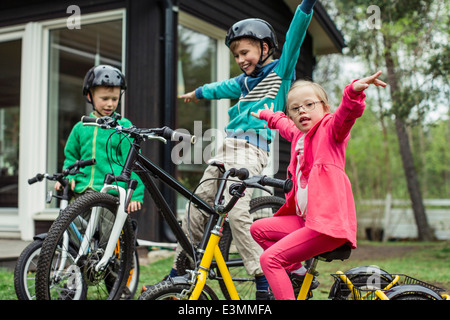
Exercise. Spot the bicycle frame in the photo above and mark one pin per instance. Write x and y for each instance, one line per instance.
(213, 251)
(147, 171)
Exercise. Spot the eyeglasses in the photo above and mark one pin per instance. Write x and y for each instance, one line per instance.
(307, 107)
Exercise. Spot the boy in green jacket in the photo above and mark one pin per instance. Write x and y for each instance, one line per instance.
(103, 87)
(252, 42)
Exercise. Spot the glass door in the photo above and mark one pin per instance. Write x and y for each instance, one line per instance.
(10, 66)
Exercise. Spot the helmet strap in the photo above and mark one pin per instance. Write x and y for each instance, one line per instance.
(261, 61)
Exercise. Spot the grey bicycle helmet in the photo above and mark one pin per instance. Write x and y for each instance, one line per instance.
(103, 75)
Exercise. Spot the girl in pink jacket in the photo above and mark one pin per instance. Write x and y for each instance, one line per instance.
(319, 213)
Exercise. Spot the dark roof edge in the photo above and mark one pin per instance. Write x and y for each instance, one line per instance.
(322, 17)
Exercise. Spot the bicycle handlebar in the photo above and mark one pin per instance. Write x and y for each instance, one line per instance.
(254, 181)
(165, 132)
(237, 189)
(70, 170)
(286, 185)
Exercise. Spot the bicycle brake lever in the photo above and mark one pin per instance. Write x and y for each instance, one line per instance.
(77, 172)
(258, 186)
(153, 136)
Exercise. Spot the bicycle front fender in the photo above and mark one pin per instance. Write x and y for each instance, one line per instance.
(412, 290)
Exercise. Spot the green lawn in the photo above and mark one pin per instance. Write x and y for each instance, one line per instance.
(429, 262)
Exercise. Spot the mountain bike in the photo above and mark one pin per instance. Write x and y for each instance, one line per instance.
(25, 269)
(103, 222)
(192, 286)
(361, 283)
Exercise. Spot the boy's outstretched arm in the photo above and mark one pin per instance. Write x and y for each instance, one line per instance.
(188, 97)
(307, 5)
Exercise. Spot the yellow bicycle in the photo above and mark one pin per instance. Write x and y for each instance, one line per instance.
(193, 284)
(360, 283)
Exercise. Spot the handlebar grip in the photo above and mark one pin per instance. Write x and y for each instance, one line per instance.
(38, 177)
(178, 136)
(286, 185)
(86, 119)
(242, 173)
(85, 163)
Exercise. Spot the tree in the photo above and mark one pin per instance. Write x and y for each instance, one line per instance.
(403, 38)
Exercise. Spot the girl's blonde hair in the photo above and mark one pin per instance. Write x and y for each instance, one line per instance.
(318, 90)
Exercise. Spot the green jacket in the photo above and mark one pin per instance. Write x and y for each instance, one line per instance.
(109, 149)
(271, 85)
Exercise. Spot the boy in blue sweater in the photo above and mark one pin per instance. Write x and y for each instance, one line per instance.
(263, 81)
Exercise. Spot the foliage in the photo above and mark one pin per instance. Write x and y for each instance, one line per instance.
(417, 34)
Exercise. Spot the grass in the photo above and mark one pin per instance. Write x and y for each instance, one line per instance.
(429, 262)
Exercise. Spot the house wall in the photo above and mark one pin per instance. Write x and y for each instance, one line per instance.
(147, 103)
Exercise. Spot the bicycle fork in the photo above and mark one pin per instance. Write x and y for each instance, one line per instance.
(115, 232)
(213, 251)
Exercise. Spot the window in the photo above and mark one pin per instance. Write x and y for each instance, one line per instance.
(10, 66)
(197, 54)
(71, 54)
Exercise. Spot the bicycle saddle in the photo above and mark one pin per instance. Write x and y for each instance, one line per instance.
(341, 253)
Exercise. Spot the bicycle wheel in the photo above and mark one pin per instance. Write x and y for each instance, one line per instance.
(25, 271)
(261, 207)
(132, 281)
(62, 273)
(167, 290)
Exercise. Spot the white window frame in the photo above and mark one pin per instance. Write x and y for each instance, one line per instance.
(34, 112)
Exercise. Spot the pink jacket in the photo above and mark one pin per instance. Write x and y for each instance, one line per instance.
(330, 207)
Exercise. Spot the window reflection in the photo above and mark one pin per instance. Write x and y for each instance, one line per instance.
(197, 55)
(72, 54)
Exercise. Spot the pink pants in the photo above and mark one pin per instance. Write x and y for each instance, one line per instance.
(286, 242)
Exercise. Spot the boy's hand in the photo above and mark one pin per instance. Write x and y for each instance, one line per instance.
(58, 185)
(266, 107)
(134, 206)
(363, 84)
(188, 97)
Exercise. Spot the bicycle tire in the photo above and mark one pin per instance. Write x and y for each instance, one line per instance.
(52, 284)
(167, 290)
(260, 207)
(25, 269)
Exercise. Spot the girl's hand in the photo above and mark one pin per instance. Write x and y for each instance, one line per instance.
(134, 206)
(363, 84)
(188, 97)
(266, 107)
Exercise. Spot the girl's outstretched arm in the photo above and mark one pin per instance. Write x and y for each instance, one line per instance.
(363, 84)
(258, 114)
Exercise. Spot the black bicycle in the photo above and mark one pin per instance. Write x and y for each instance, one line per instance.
(106, 233)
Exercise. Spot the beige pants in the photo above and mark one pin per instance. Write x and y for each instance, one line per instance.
(235, 153)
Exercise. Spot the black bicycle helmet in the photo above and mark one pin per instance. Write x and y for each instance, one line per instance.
(252, 28)
(103, 75)
(257, 29)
